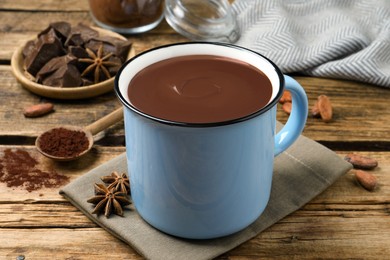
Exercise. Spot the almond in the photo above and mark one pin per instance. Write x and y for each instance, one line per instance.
(287, 107)
(325, 108)
(286, 97)
(367, 180)
(361, 162)
(38, 110)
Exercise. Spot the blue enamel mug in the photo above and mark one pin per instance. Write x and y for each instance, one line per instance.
(207, 180)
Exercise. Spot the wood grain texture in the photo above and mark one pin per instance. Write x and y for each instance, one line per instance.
(367, 121)
(45, 5)
(343, 222)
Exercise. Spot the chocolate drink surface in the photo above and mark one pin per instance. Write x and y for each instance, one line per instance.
(199, 89)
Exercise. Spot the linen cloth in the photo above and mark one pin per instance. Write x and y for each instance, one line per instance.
(345, 39)
(300, 173)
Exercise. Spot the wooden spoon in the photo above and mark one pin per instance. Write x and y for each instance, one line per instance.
(89, 131)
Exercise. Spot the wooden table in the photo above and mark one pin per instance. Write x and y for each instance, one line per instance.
(345, 221)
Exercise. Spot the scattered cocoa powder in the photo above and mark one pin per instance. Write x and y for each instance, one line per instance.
(62, 142)
(19, 169)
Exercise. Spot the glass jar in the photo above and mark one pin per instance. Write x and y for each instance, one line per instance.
(203, 20)
(127, 16)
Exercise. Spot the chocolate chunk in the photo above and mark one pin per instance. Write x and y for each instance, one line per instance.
(114, 69)
(85, 31)
(53, 58)
(94, 44)
(78, 52)
(119, 47)
(65, 76)
(47, 47)
(79, 35)
(55, 64)
(74, 39)
(123, 48)
(62, 30)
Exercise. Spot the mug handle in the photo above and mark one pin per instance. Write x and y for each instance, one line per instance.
(297, 120)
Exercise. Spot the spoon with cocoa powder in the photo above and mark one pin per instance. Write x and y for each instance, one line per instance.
(67, 143)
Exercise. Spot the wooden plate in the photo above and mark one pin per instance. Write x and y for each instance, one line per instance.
(68, 92)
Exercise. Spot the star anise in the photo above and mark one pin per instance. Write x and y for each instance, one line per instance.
(117, 182)
(108, 200)
(98, 63)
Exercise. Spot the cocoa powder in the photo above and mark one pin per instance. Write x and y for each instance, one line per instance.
(19, 169)
(62, 142)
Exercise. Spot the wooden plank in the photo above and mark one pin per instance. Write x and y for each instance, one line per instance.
(347, 125)
(360, 111)
(42, 215)
(86, 243)
(45, 5)
(30, 24)
(320, 237)
(345, 197)
(341, 219)
(61, 214)
(34, 22)
(316, 236)
(79, 113)
(347, 191)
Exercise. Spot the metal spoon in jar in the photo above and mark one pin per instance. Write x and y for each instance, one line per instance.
(89, 132)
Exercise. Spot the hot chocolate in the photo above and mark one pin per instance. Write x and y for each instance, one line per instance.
(199, 89)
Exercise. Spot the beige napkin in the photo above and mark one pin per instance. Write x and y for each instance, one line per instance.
(301, 173)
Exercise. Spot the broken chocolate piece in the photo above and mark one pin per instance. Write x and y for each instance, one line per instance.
(119, 47)
(74, 39)
(85, 31)
(122, 49)
(47, 47)
(114, 69)
(62, 30)
(54, 58)
(55, 64)
(80, 34)
(78, 52)
(95, 43)
(65, 76)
